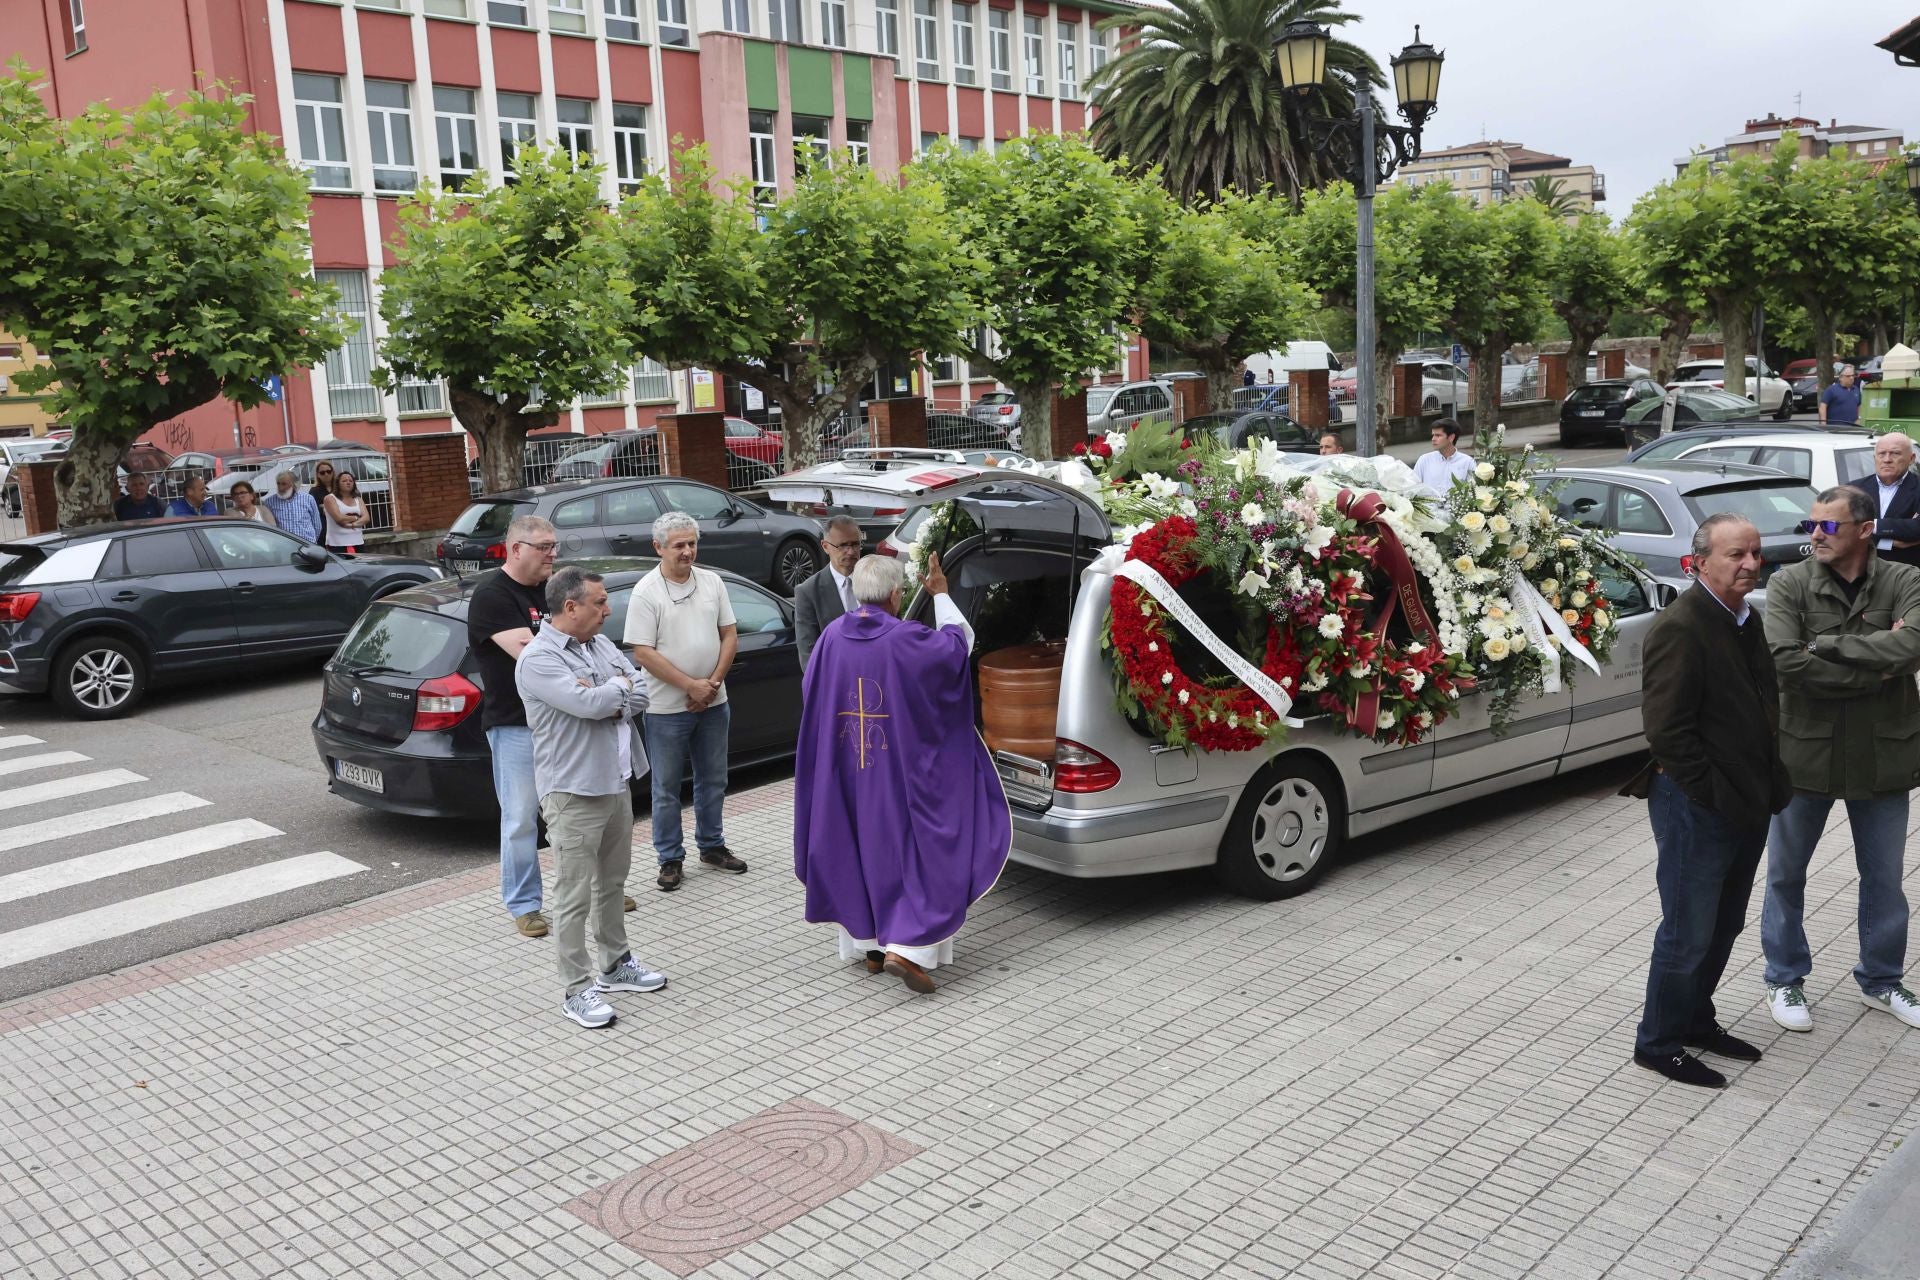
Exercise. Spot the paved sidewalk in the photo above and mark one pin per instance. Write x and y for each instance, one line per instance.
(1418, 1070)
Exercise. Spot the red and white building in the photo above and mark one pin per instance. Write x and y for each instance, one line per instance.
(373, 96)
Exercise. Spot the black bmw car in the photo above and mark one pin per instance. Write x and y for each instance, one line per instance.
(99, 615)
(1599, 409)
(399, 723)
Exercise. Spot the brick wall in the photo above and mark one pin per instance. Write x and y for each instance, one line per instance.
(694, 445)
(1307, 397)
(900, 423)
(39, 502)
(429, 480)
(1069, 423)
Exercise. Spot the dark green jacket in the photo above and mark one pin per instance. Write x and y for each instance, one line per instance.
(1849, 712)
(1710, 708)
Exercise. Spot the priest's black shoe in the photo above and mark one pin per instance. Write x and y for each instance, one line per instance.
(1682, 1068)
(1726, 1044)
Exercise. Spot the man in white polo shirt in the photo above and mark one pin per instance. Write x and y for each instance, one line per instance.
(680, 624)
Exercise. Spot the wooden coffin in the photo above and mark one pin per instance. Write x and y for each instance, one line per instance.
(1020, 697)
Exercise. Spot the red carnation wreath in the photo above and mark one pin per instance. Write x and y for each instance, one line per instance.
(1187, 710)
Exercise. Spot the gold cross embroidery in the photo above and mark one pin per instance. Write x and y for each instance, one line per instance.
(862, 713)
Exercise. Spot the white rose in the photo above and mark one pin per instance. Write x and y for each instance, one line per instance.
(1166, 677)
(1183, 697)
(1473, 522)
(1463, 564)
(1601, 620)
(1579, 599)
(1518, 551)
(1497, 649)
(1549, 586)
(1518, 641)
(1500, 524)
(1251, 514)
(1332, 627)
(1484, 471)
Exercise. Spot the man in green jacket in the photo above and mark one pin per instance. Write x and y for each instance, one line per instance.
(1844, 628)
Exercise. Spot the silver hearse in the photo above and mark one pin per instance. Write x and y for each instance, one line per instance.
(1112, 802)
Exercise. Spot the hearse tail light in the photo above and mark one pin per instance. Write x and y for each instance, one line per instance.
(1081, 769)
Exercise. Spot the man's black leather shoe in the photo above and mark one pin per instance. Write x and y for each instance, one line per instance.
(1682, 1068)
(1726, 1044)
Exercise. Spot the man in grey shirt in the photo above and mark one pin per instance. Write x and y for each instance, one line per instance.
(580, 692)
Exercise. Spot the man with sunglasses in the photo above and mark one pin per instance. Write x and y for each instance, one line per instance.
(828, 593)
(1844, 628)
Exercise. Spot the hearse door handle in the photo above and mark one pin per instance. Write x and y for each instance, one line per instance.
(124, 597)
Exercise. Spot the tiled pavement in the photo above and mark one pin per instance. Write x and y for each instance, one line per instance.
(1418, 1070)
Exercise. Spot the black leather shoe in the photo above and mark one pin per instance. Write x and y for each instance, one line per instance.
(669, 876)
(721, 858)
(1726, 1044)
(1682, 1068)
(876, 961)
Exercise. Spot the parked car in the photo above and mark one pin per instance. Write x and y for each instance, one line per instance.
(1234, 428)
(1106, 800)
(617, 453)
(98, 616)
(746, 440)
(1653, 509)
(1668, 447)
(13, 452)
(1692, 408)
(1116, 406)
(1821, 458)
(399, 730)
(1276, 397)
(999, 408)
(538, 453)
(211, 465)
(1599, 409)
(946, 432)
(1869, 370)
(615, 518)
(1442, 386)
(1773, 394)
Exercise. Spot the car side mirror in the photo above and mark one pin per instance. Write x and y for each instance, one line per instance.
(1666, 593)
(730, 515)
(308, 556)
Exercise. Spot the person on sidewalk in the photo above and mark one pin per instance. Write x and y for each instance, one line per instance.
(1711, 712)
(1844, 627)
(580, 694)
(1896, 493)
(138, 502)
(293, 510)
(1839, 404)
(899, 820)
(829, 593)
(193, 500)
(680, 624)
(1439, 468)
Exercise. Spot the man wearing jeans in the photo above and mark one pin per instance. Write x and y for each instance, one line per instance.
(1710, 707)
(580, 694)
(1844, 627)
(680, 624)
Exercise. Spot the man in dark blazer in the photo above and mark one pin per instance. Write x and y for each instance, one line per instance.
(1711, 709)
(828, 593)
(1896, 493)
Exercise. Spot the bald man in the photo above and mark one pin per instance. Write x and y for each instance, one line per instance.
(1896, 490)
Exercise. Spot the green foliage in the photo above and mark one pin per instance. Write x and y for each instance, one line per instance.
(1590, 280)
(158, 257)
(1551, 194)
(1491, 261)
(1196, 92)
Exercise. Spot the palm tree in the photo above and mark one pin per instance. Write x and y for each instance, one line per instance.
(1198, 94)
(1553, 193)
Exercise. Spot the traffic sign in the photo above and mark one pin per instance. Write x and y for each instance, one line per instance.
(273, 388)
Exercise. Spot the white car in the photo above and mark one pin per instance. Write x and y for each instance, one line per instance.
(1773, 393)
(1443, 387)
(1822, 459)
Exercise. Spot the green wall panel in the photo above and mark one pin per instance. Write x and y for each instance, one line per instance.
(858, 72)
(810, 81)
(763, 78)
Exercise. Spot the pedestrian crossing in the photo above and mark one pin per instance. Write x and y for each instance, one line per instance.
(94, 894)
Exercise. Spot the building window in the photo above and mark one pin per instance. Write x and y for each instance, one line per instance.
(926, 39)
(817, 134)
(833, 23)
(621, 19)
(1036, 51)
(766, 182)
(398, 6)
(349, 370)
(672, 19)
(736, 17)
(1880, 145)
(573, 118)
(569, 16)
(614, 393)
(322, 123)
(448, 9)
(1000, 47)
(859, 148)
(390, 136)
(928, 141)
(969, 145)
(1096, 51)
(629, 145)
(944, 368)
(886, 26)
(420, 397)
(519, 127)
(1068, 44)
(783, 21)
(962, 43)
(458, 130)
(651, 381)
(75, 35)
(508, 13)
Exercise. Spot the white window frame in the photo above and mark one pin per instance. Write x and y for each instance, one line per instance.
(452, 127)
(926, 39)
(422, 397)
(515, 132)
(1033, 42)
(390, 138)
(860, 149)
(1097, 50)
(569, 17)
(1067, 46)
(786, 21)
(1000, 48)
(965, 18)
(737, 16)
(448, 8)
(613, 395)
(576, 136)
(886, 27)
(817, 133)
(501, 13)
(391, 6)
(76, 36)
(652, 382)
(630, 152)
(670, 20)
(322, 127)
(352, 394)
(764, 168)
(833, 23)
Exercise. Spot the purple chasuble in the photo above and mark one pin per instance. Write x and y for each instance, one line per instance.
(899, 820)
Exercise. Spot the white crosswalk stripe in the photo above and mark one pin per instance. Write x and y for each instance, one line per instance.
(77, 785)
(131, 857)
(20, 740)
(113, 815)
(41, 760)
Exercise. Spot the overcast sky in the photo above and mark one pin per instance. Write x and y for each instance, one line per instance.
(1629, 85)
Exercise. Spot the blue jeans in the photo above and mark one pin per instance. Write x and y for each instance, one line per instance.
(670, 741)
(512, 746)
(1705, 872)
(1879, 825)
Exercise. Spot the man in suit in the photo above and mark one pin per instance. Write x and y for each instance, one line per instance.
(1896, 493)
(828, 593)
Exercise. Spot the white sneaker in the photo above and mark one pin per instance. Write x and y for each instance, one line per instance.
(588, 1009)
(1897, 1001)
(1788, 1005)
(630, 975)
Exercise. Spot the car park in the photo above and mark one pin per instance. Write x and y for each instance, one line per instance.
(617, 453)
(399, 722)
(1821, 458)
(1116, 406)
(1773, 394)
(1443, 386)
(1599, 409)
(615, 518)
(1651, 510)
(98, 616)
(1107, 800)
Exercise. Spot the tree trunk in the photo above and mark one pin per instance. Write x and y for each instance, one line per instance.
(1220, 387)
(84, 481)
(1384, 361)
(1824, 342)
(1036, 419)
(1734, 332)
(500, 431)
(1673, 339)
(803, 421)
(1583, 340)
(1486, 387)
(805, 408)
(1882, 340)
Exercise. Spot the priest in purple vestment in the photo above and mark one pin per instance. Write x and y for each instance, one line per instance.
(899, 821)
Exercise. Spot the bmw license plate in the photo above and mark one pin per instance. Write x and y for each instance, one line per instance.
(1593, 413)
(360, 776)
(464, 567)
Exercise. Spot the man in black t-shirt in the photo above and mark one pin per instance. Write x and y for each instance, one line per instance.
(508, 606)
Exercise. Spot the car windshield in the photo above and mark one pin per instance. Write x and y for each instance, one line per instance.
(21, 450)
(489, 519)
(996, 397)
(1773, 508)
(1700, 373)
(410, 640)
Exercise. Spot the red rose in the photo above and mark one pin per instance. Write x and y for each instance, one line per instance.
(1101, 449)
(1080, 450)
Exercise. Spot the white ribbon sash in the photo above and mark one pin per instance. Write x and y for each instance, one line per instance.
(1538, 618)
(1162, 591)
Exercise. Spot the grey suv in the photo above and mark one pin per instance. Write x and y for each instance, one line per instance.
(1116, 406)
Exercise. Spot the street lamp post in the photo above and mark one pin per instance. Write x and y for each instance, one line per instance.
(1301, 53)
